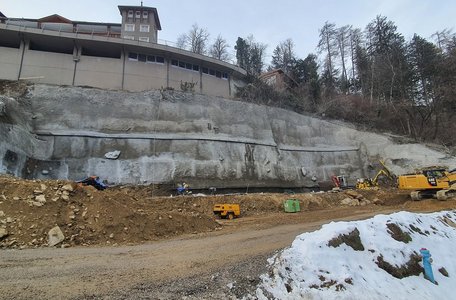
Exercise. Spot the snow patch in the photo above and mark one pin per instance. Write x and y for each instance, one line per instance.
(389, 267)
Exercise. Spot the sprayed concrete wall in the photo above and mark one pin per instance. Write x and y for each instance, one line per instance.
(167, 137)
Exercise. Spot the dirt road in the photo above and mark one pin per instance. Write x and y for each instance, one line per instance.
(215, 264)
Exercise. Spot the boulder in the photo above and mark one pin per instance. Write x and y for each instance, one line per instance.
(112, 155)
(350, 202)
(377, 201)
(3, 233)
(2, 214)
(55, 236)
(353, 194)
(40, 198)
(68, 187)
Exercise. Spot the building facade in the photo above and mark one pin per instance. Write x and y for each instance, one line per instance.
(55, 50)
(140, 23)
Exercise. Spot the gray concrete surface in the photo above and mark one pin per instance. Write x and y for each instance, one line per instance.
(168, 137)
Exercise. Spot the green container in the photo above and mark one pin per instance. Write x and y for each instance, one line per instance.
(291, 205)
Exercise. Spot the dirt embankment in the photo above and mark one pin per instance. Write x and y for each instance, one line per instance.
(125, 215)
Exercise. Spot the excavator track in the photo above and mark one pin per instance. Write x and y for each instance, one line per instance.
(442, 195)
(416, 196)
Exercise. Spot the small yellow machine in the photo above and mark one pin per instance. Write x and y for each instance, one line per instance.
(368, 183)
(430, 181)
(228, 211)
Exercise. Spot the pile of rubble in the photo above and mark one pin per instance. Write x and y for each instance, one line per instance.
(356, 199)
(42, 213)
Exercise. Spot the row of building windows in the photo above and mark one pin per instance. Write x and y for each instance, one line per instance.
(146, 58)
(196, 68)
(142, 28)
(177, 63)
(137, 14)
(141, 38)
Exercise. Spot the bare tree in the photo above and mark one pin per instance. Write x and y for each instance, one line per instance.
(343, 44)
(195, 40)
(219, 49)
(328, 44)
(443, 38)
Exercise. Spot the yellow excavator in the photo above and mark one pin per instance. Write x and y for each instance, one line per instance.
(429, 182)
(368, 183)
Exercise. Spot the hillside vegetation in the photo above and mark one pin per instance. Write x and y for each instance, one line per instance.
(373, 77)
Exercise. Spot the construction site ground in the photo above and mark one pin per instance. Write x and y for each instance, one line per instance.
(135, 242)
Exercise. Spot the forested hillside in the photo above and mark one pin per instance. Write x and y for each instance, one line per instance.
(373, 77)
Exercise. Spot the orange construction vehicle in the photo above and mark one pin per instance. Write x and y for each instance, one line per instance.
(228, 211)
(428, 182)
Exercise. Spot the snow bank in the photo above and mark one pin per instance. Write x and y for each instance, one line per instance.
(312, 269)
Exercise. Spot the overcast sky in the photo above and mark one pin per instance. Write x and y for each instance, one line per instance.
(270, 22)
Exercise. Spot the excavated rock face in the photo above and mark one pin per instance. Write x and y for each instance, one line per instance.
(171, 137)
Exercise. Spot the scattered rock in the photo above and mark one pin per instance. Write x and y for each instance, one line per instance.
(55, 236)
(3, 233)
(112, 155)
(350, 202)
(36, 203)
(364, 202)
(40, 198)
(44, 172)
(111, 236)
(2, 214)
(16, 198)
(65, 197)
(353, 194)
(377, 201)
(9, 220)
(68, 187)
(43, 187)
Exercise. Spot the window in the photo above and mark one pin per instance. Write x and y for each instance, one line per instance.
(129, 27)
(160, 60)
(129, 37)
(174, 62)
(211, 72)
(218, 74)
(196, 68)
(144, 28)
(188, 66)
(225, 75)
(145, 15)
(130, 14)
(142, 57)
(138, 15)
(143, 39)
(181, 64)
(132, 56)
(150, 58)
(205, 70)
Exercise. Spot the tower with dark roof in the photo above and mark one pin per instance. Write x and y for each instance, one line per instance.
(140, 23)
